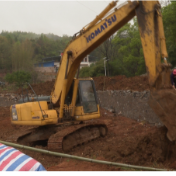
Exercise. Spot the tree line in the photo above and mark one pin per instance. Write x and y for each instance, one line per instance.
(19, 51)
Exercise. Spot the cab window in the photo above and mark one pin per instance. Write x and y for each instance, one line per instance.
(88, 96)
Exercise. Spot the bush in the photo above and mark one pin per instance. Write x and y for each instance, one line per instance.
(94, 70)
(18, 77)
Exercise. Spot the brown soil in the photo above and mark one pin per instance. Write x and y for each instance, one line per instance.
(121, 82)
(127, 142)
(163, 103)
(2, 74)
(44, 88)
(76, 165)
(130, 142)
(137, 83)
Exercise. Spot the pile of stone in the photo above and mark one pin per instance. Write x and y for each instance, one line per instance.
(10, 96)
(15, 97)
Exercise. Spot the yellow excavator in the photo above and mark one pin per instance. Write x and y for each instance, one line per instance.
(67, 119)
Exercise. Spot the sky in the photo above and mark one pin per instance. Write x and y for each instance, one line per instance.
(57, 17)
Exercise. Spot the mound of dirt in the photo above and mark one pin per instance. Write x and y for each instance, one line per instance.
(121, 82)
(131, 142)
(44, 88)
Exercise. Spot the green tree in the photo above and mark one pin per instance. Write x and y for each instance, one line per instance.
(169, 21)
(22, 56)
(84, 72)
(48, 47)
(5, 52)
(94, 70)
(123, 52)
(18, 77)
(129, 55)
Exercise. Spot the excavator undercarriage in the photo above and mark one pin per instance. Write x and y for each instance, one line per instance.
(61, 137)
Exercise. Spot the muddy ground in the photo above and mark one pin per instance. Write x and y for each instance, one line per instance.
(127, 142)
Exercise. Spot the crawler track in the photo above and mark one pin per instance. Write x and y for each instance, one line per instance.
(73, 136)
(62, 137)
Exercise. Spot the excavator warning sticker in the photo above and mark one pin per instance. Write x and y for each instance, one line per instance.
(108, 22)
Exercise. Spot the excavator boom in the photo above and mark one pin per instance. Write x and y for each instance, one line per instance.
(154, 47)
(151, 32)
(89, 39)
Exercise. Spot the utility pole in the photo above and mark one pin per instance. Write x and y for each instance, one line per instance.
(105, 64)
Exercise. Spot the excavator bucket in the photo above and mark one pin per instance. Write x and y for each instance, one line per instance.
(163, 102)
(163, 96)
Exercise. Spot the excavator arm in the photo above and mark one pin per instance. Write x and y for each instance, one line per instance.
(88, 39)
(153, 42)
(151, 32)
(162, 97)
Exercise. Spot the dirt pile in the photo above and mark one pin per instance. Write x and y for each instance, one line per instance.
(121, 82)
(131, 142)
(44, 88)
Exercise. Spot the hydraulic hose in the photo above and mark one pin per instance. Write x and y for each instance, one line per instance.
(82, 158)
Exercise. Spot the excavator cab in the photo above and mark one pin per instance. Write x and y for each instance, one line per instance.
(80, 104)
(88, 96)
(82, 101)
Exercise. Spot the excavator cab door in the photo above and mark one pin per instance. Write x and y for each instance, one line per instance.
(88, 97)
